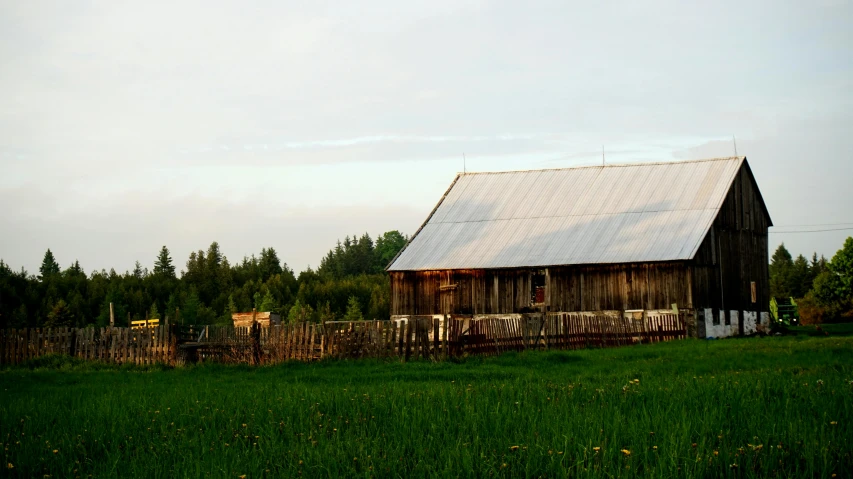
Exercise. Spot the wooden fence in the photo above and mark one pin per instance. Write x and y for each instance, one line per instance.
(116, 345)
(417, 337)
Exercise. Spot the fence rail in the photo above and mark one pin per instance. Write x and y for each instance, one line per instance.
(416, 337)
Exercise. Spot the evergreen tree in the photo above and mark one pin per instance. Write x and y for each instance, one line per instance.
(59, 316)
(801, 280)
(163, 266)
(353, 310)
(192, 305)
(269, 264)
(153, 313)
(325, 312)
(137, 271)
(781, 265)
(49, 266)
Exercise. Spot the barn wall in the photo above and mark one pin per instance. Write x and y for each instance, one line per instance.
(460, 291)
(571, 288)
(622, 286)
(735, 252)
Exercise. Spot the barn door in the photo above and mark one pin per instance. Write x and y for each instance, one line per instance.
(447, 293)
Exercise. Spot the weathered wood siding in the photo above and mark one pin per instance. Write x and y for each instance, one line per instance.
(460, 291)
(567, 288)
(621, 286)
(734, 253)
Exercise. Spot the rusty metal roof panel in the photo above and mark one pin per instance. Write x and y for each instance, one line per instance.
(591, 215)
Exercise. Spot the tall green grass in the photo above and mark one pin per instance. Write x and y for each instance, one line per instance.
(758, 407)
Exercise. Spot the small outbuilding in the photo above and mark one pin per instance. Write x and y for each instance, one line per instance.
(264, 319)
(637, 237)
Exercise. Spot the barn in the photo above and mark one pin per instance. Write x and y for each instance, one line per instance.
(632, 237)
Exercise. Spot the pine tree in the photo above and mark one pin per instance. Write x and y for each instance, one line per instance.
(163, 266)
(153, 313)
(49, 266)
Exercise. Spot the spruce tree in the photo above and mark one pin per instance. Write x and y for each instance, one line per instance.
(353, 310)
(49, 266)
(163, 266)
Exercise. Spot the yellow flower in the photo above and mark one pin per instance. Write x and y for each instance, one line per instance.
(10, 466)
(596, 449)
(834, 423)
(716, 453)
(626, 452)
(513, 448)
(55, 451)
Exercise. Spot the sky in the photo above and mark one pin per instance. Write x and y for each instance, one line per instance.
(126, 126)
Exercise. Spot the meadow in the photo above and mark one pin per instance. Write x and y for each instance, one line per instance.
(750, 407)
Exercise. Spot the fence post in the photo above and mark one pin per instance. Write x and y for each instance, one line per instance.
(255, 341)
(72, 339)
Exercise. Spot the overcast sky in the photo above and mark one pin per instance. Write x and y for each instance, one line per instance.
(125, 126)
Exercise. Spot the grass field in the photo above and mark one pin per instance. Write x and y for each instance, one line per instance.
(756, 407)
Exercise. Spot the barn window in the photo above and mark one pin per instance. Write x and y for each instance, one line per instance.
(715, 317)
(537, 287)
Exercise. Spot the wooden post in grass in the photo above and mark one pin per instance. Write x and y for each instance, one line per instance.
(255, 341)
(112, 316)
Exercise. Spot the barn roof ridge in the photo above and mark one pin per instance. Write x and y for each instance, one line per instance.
(607, 165)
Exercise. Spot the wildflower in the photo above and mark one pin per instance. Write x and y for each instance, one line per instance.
(513, 448)
(716, 453)
(55, 451)
(10, 466)
(833, 422)
(654, 448)
(694, 444)
(626, 452)
(596, 449)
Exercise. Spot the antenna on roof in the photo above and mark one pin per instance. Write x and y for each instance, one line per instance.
(602, 155)
(464, 170)
(734, 142)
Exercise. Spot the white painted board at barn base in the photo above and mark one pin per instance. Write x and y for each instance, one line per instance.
(717, 327)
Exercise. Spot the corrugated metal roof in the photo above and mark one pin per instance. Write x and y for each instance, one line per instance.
(590, 215)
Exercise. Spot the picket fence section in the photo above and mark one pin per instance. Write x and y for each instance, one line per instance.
(416, 337)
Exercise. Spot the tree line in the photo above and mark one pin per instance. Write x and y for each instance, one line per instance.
(350, 283)
(823, 289)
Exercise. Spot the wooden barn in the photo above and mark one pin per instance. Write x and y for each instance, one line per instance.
(639, 237)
